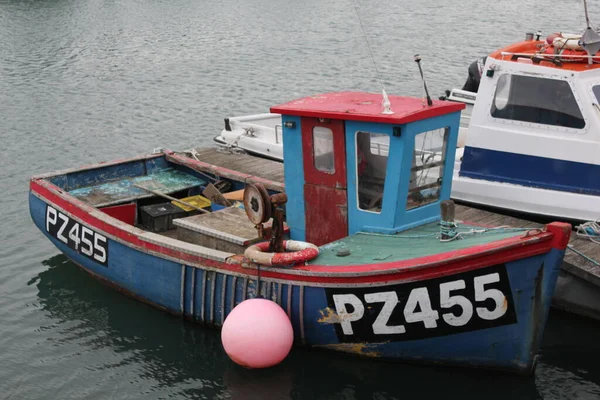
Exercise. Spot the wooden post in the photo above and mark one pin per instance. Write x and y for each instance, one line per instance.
(447, 212)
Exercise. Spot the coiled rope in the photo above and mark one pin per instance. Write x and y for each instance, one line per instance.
(589, 230)
(233, 146)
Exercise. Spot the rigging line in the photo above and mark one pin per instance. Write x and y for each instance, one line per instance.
(368, 44)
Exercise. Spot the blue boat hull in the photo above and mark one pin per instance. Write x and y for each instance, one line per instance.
(206, 296)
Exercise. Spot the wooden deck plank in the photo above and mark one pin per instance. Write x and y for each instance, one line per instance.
(246, 167)
(256, 166)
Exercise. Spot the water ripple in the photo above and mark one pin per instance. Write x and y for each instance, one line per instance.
(88, 81)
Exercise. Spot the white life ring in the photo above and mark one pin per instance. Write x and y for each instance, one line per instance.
(568, 41)
(300, 252)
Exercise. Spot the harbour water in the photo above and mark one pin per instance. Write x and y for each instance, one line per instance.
(83, 81)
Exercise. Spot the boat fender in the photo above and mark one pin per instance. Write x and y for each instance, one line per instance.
(299, 253)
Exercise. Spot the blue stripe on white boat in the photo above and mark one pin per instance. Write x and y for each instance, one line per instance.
(532, 171)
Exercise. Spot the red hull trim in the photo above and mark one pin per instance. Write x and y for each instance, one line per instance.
(415, 269)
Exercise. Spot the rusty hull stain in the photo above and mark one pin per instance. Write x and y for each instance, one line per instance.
(361, 349)
(328, 316)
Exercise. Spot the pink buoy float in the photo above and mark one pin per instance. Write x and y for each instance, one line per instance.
(257, 334)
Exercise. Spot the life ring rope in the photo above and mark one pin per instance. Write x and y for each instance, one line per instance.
(299, 253)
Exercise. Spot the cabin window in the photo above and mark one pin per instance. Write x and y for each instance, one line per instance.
(596, 90)
(536, 100)
(323, 156)
(427, 169)
(372, 151)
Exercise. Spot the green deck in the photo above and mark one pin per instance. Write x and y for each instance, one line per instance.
(165, 181)
(368, 248)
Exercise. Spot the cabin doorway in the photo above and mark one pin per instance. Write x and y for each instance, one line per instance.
(325, 197)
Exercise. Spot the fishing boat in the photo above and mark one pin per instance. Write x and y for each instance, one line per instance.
(358, 245)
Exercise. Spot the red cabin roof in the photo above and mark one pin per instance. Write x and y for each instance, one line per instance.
(360, 106)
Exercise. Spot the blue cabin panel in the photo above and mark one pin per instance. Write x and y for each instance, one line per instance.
(428, 163)
(293, 170)
(373, 176)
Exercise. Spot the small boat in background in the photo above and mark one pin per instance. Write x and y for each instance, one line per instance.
(356, 238)
(532, 141)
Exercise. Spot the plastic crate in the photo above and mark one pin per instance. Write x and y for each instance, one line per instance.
(198, 201)
(159, 217)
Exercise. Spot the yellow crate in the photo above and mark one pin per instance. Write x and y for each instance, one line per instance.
(198, 201)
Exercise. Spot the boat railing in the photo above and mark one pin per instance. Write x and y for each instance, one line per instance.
(276, 137)
(529, 55)
(378, 148)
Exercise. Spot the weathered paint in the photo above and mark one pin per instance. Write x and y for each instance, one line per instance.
(352, 106)
(222, 172)
(394, 216)
(166, 180)
(293, 166)
(412, 244)
(505, 250)
(360, 349)
(326, 214)
(88, 175)
(153, 273)
(296, 253)
(329, 316)
(312, 175)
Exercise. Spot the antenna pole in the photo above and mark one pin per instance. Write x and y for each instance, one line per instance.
(587, 17)
(418, 61)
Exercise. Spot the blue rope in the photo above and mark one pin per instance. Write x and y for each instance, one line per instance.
(570, 247)
(589, 230)
(448, 231)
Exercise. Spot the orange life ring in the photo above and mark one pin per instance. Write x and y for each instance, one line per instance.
(300, 252)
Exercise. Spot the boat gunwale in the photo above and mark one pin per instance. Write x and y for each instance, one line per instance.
(98, 165)
(205, 167)
(412, 269)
